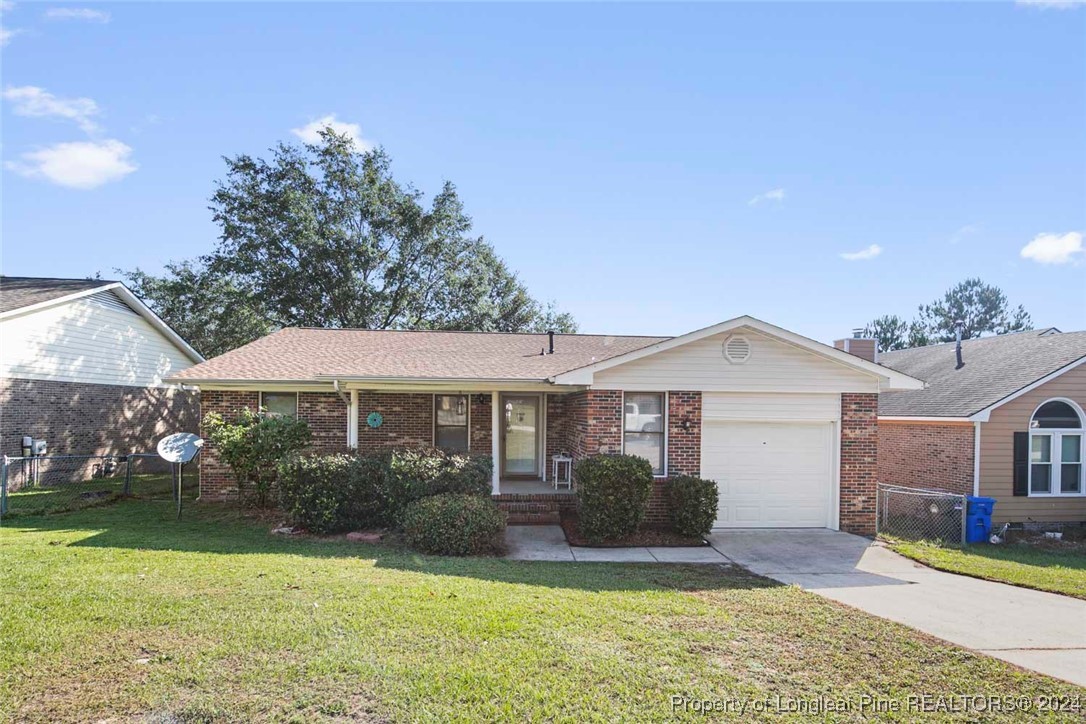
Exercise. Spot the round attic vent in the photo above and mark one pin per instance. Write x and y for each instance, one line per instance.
(737, 349)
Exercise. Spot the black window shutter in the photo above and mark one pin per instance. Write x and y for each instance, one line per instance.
(1021, 463)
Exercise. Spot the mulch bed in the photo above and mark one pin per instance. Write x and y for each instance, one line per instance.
(657, 537)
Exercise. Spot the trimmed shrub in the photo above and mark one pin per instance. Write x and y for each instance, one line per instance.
(454, 524)
(692, 505)
(416, 473)
(334, 493)
(612, 493)
(253, 444)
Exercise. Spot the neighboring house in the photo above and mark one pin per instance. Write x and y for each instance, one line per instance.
(786, 426)
(82, 364)
(1008, 423)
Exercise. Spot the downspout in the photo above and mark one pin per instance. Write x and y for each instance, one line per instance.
(342, 395)
(976, 458)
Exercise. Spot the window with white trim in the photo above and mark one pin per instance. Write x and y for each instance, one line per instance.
(1056, 450)
(451, 422)
(283, 404)
(643, 427)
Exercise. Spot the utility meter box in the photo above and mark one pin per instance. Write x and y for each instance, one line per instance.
(40, 448)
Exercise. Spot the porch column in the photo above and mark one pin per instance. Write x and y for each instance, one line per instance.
(495, 440)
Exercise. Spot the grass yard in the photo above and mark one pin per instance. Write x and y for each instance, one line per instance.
(68, 496)
(118, 612)
(1056, 566)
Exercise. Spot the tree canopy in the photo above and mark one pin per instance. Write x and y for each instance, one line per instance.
(322, 235)
(982, 309)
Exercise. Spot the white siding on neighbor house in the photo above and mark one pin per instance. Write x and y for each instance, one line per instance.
(773, 366)
(770, 406)
(96, 340)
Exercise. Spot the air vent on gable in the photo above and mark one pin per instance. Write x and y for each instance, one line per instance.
(737, 349)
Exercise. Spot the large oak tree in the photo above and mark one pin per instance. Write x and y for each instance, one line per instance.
(322, 235)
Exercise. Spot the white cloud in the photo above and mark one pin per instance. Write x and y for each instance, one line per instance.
(1054, 248)
(773, 195)
(869, 253)
(7, 34)
(87, 14)
(78, 165)
(310, 132)
(964, 233)
(37, 102)
(1051, 4)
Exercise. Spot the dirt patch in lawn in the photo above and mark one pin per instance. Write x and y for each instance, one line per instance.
(647, 536)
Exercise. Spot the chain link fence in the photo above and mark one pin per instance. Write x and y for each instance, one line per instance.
(919, 514)
(56, 483)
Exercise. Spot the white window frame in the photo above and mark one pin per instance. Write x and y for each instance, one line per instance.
(433, 412)
(260, 402)
(1055, 435)
(667, 425)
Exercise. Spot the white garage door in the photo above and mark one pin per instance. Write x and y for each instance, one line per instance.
(770, 475)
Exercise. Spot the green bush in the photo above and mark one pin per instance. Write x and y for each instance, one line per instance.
(454, 524)
(612, 493)
(416, 473)
(692, 505)
(253, 444)
(334, 493)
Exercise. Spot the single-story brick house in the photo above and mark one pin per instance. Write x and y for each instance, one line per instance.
(82, 366)
(787, 426)
(1006, 423)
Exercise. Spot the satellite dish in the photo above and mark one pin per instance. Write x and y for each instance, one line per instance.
(180, 447)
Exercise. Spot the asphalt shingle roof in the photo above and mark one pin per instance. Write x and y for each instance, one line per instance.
(302, 354)
(994, 368)
(19, 292)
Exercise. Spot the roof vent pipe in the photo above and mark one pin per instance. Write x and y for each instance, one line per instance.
(958, 324)
(550, 341)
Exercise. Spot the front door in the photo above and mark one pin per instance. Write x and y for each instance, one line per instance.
(520, 436)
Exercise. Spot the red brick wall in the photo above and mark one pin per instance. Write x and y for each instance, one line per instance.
(595, 422)
(927, 455)
(482, 424)
(408, 420)
(558, 428)
(326, 413)
(683, 449)
(859, 461)
(216, 480)
(83, 419)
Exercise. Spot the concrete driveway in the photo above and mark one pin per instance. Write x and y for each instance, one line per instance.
(1044, 632)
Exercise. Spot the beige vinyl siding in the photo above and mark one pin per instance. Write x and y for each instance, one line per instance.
(768, 406)
(773, 366)
(96, 340)
(997, 454)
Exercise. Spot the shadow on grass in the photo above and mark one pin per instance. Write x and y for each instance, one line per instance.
(151, 526)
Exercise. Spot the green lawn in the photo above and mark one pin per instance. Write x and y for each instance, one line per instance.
(120, 612)
(1056, 567)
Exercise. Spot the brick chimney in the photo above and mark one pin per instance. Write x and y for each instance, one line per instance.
(859, 345)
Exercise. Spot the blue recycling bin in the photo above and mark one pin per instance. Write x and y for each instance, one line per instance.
(978, 518)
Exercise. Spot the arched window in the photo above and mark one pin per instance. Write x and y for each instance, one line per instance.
(1056, 449)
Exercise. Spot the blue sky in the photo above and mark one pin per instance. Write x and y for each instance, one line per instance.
(651, 168)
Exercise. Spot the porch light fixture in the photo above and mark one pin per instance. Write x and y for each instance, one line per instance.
(460, 405)
(684, 424)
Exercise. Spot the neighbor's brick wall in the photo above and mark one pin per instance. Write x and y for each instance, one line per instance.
(927, 455)
(84, 419)
(859, 461)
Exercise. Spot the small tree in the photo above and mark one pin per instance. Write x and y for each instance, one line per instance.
(253, 444)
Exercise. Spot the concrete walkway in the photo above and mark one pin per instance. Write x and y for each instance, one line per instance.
(548, 543)
(1041, 631)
